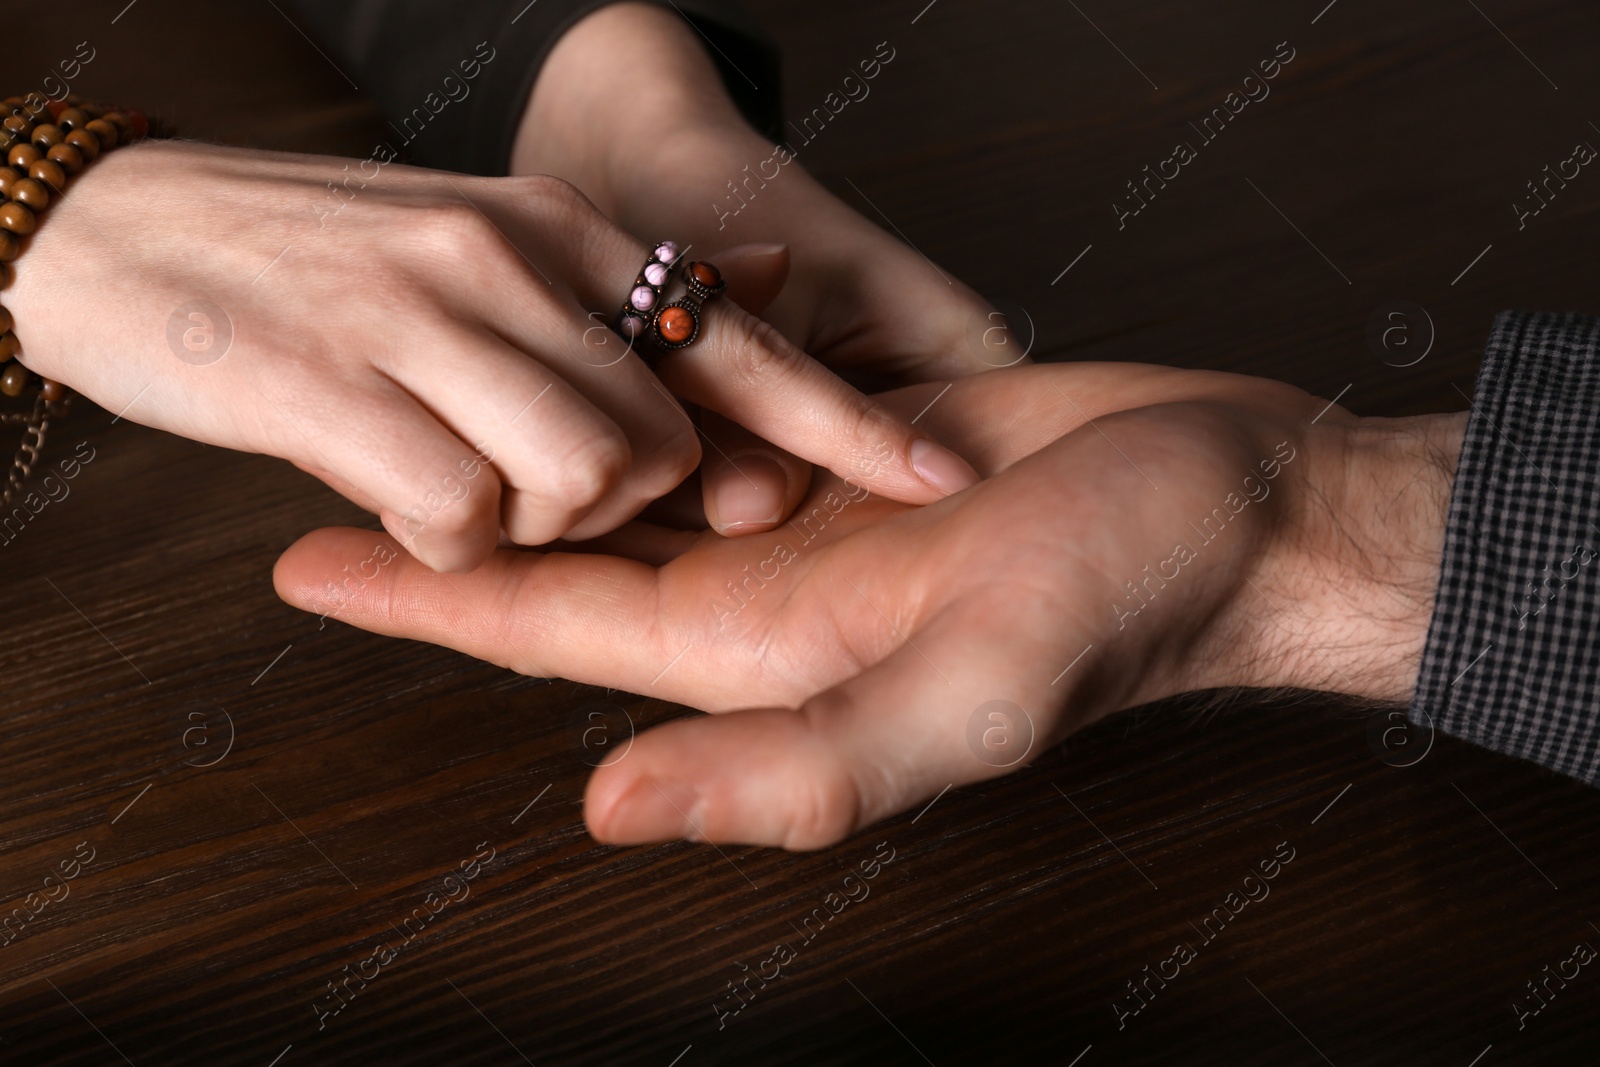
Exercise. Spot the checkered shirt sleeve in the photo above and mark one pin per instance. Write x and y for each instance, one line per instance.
(1512, 660)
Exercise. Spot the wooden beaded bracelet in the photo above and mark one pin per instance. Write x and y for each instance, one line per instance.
(44, 142)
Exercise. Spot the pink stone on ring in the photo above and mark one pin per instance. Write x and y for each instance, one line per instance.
(643, 298)
(666, 251)
(655, 274)
(632, 326)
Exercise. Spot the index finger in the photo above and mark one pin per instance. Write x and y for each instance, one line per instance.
(587, 618)
(744, 369)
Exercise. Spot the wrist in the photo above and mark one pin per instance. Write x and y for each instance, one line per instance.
(1343, 599)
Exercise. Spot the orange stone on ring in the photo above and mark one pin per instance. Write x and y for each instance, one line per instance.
(675, 325)
(706, 275)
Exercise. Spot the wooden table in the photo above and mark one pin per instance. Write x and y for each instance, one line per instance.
(229, 886)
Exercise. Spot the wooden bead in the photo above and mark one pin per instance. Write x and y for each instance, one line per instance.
(104, 131)
(70, 158)
(42, 143)
(14, 380)
(27, 192)
(86, 143)
(17, 219)
(49, 172)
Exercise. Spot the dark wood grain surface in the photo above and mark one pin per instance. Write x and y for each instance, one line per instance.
(229, 886)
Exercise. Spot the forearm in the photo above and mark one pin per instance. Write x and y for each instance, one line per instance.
(681, 160)
(675, 157)
(615, 95)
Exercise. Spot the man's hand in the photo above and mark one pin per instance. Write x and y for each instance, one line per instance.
(1203, 530)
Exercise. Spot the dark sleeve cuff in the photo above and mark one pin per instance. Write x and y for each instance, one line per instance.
(401, 53)
(1512, 661)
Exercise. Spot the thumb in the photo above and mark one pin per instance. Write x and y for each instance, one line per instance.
(748, 486)
(875, 745)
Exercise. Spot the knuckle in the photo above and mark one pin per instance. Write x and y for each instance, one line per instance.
(552, 193)
(824, 812)
(588, 472)
(671, 461)
(568, 218)
(528, 519)
(876, 431)
(566, 214)
(466, 249)
(390, 282)
(757, 352)
(827, 801)
(449, 512)
(455, 229)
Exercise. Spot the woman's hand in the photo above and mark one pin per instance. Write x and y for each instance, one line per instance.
(673, 149)
(421, 341)
(1206, 530)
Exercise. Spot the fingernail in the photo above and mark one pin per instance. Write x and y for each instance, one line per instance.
(655, 811)
(751, 494)
(940, 467)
